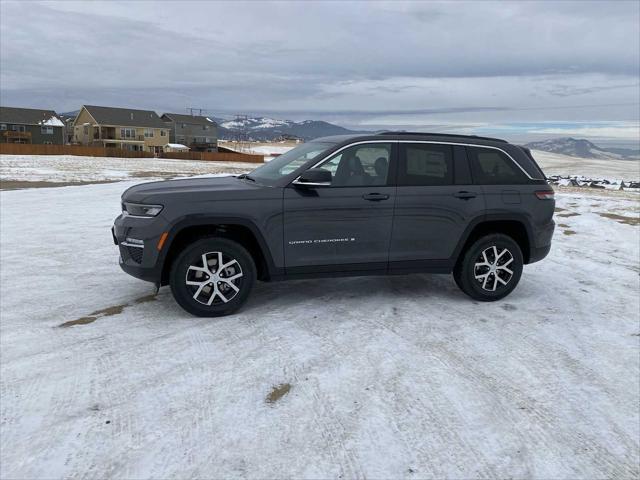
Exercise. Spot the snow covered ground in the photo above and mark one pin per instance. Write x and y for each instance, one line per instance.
(77, 169)
(376, 377)
(557, 164)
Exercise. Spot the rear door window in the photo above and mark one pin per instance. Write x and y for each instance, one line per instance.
(425, 164)
(493, 167)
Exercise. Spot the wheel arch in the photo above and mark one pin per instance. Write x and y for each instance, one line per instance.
(515, 226)
(246, 233)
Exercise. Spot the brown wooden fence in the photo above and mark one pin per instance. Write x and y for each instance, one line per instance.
(214, 156)
(31, 149)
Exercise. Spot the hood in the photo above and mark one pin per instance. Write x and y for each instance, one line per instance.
(144, 192)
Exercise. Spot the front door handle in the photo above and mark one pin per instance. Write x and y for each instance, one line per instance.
(375, 197)
(464, 195)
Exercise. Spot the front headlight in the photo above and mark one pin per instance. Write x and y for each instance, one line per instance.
(140, 210)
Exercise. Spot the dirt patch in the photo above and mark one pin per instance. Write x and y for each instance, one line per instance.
(563, 225)
(621, 218)
(21, 184)
(569, 214)
(154, 174)
(278, 392)
(509, 307)
(560, 209)
(569, 232)
(106, 312)
(145, 299)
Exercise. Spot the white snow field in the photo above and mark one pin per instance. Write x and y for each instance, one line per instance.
(72, 168)
(557, 164)
(374, 377)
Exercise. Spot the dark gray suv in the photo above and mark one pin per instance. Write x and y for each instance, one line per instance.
(389, 203)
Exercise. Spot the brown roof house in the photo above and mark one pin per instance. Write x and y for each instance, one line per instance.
(30, 125)
(199, 133)
(126, 128)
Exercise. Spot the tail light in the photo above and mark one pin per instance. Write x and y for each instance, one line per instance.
(546, 194)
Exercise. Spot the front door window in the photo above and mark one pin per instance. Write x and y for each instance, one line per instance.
(360, 165)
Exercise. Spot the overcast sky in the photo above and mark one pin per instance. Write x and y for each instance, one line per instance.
(546, 67)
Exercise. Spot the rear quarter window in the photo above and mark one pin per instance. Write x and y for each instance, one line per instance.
(493, 167)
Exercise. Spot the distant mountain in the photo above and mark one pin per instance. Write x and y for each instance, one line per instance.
(69, 114)
(583, 148)
(266, 129)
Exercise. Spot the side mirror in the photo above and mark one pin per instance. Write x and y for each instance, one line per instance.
(314, 177)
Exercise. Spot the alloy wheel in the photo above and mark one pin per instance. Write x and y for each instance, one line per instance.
(214, 278)
(491, 268)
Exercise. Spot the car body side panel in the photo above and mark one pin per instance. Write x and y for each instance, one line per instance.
(334, 226)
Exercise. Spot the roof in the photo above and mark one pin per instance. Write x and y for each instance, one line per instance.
(127, 117)
(29, 116)
(395, 136)
(190, 119)
(448, 135)
(176, 145)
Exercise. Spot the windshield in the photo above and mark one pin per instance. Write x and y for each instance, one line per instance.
(288, 162)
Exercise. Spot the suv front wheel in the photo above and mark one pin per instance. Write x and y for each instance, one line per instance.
(212, 277)
(490, 268)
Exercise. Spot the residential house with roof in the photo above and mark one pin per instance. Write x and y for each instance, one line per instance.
(30, 125)
(126, 128)
(199, 133)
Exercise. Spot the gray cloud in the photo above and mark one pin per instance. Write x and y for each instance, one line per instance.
(467, 60)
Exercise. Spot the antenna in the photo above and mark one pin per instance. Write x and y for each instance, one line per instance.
(193, 109)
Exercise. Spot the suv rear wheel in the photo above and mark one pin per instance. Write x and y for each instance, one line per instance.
(490, 268)
(212, 277)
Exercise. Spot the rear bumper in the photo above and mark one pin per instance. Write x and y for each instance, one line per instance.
(542, 242)
(539, 253)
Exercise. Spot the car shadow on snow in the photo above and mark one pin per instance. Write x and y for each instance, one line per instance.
(354, 292)
(367, 293)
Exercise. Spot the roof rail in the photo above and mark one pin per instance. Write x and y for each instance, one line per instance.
(391, 132)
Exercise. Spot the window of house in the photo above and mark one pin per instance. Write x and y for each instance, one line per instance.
(148, 132)
(86, 129)
(127, 133)
(163, 133)
(3, 126)
(360, 165)
(205, 127)
(18, 128)
(425, 164)
(46, 130)
(493, 167)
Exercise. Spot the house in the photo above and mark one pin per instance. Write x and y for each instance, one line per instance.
(126, 128)
(200, 134)
(175, 147)
(29, 125)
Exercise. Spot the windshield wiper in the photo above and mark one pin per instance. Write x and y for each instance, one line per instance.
(245, 176)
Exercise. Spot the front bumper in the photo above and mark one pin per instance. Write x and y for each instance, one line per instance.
(137, 240)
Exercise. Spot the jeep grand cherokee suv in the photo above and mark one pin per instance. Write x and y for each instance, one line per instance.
(389, 203)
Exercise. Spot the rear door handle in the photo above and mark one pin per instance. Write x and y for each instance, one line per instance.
(464, 195)
(375, 197)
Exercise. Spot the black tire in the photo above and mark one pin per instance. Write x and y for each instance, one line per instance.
(472, 264)
(189, 267)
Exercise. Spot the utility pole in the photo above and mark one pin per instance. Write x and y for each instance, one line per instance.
(241, 132)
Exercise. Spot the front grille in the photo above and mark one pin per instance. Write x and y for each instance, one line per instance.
(135, 253)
